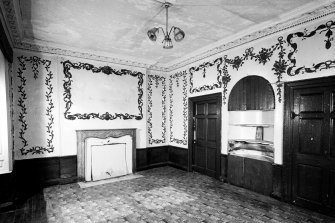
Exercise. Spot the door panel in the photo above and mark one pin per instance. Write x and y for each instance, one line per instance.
(212, 109)
(310, 136)
(211, 154)
(211, 135)
(309, 183)
(200, 109)
(311, 102)
(206, 145)
(200, 153)
(201, 130)
(200, 126)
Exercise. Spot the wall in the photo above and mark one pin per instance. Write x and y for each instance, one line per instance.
(157, 105)
(303, 52)
(55, 96)
(96, 98)
(178, 109)
(5, 117)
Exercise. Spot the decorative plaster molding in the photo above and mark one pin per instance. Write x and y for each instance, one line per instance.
(175, 79)
(22, 76)
(324, 29)
(296, 21)
(217, 84)
(154, 80)
(67, 95)
(84, 55)
(11, 20)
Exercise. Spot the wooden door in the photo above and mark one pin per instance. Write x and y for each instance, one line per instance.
(206, 139)
(312, 143)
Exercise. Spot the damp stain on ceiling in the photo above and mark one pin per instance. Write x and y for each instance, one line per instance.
(119, 27)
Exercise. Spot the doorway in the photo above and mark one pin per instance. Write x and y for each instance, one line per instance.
(309, 144)
(205, 134)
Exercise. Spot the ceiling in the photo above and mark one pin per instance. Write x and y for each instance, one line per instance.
(119, 27)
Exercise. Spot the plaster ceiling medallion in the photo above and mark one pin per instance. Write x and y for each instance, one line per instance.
(116, 31)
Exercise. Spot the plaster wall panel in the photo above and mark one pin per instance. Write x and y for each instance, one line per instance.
(157, 110)
(36, 107)
(104, 100)
(178, 109)
(45, 118)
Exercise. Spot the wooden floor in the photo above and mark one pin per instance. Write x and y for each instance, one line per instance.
(32, 209)
(161, 195)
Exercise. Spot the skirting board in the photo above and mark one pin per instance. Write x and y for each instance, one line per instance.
(152, 157)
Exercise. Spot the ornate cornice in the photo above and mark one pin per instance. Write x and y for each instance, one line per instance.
(14, 28)
(11, 21)
(84, 55)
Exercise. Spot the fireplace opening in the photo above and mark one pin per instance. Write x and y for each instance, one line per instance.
(109, 161)
(104, 154)
(107, 158)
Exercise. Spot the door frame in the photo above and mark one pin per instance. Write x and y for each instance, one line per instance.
(191, 102)
(287, 171)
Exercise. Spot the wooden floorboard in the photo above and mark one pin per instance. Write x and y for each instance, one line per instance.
(163, 194)
(31, 210)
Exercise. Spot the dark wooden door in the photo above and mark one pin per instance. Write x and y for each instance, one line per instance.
(207, 137)
(313, 144)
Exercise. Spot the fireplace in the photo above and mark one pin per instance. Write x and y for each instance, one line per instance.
(112, 140)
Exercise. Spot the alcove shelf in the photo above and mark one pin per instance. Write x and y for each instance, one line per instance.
(254, 125)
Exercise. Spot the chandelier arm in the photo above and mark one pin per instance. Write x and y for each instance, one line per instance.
(162, 30)
(172, 28)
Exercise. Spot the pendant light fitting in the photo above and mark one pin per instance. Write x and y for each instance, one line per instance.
(177, 32)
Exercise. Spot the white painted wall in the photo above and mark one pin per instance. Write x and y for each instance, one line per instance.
(5, 120)
(91, 93)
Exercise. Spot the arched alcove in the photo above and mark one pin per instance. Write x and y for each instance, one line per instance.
(251, 116)
(251, 134)
(251, 93)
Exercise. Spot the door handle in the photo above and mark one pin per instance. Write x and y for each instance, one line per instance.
(293, 115)
(326, 153)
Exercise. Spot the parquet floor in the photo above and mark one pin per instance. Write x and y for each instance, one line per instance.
(162, 195)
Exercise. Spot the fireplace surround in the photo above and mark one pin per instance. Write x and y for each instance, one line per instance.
(83, 135)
